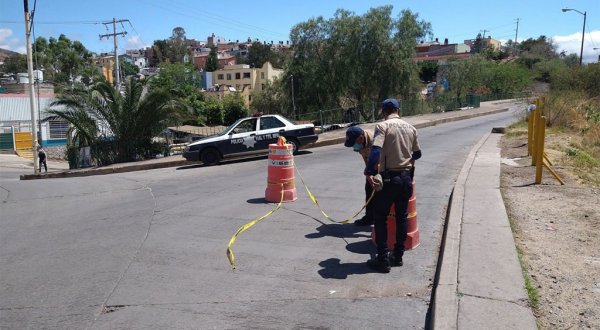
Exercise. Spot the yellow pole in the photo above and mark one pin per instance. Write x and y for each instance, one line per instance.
(534, 136)
(554, 174)
(530, 133)
(540, 150)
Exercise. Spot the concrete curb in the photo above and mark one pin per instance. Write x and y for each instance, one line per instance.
(479, 282)
(445, 299)
(324, 140)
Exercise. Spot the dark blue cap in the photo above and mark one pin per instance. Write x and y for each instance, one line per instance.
(390, 102)
(352, 134)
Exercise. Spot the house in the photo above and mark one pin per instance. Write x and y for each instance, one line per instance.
(485, 43)
(242, 78)
(15, 112)
(434, 51)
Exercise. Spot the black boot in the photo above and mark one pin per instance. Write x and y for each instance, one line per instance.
(364, 221)
(396, 258)
(381, 263)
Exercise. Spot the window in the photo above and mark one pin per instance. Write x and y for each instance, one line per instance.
(270, 122)
(220, 76)
(246, 75)
(245, 126)
(58, 129)
(229, 76)
(237, 75)
(262, 75)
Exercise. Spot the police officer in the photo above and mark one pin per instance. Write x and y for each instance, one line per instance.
(361, 142)
(395, 149)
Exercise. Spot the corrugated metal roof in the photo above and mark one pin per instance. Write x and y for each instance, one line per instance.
(16, 107)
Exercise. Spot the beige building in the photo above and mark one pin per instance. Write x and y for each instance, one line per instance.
(243, 79)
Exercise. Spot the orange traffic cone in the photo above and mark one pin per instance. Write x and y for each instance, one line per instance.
(412, 230)
(280, 173)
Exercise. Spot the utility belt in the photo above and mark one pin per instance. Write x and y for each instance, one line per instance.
(387, 175)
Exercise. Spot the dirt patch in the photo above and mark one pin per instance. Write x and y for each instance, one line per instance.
(557, 230)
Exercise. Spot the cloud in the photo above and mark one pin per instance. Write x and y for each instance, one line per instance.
(135, 43)
(571, 44)
(7, 41)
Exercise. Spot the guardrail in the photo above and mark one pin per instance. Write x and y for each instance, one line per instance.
(536, 135)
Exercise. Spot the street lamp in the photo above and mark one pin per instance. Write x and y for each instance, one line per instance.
(583, 34)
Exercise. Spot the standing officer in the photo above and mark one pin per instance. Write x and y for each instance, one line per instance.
(361, 142)
(395, 149)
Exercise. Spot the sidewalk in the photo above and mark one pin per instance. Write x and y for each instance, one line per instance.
(480, 284)
(327, 138)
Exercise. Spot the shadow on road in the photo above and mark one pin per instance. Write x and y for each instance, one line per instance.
(333, 268)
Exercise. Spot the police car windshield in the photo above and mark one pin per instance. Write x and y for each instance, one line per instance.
(230, 127)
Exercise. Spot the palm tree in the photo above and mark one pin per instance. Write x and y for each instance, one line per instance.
(102, 117)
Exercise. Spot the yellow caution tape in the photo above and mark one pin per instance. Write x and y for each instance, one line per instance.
(243, 228)
(314, 199)
(230, 254)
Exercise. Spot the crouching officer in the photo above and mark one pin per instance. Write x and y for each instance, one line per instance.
(361, 142)
(395, 148)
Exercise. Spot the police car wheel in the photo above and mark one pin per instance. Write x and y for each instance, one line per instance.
(294, 144)
(210, 156)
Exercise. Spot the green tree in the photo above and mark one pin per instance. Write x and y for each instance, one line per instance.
(234, 108)
(428, 70)
(177, 47)
(178, 78)
(477, 46)
(128, 121)
(464, 76)
(62, 60)
(362, 58)
(212, 111)
(533, 51)
(128, 69)
(15, 64)
(212, 63)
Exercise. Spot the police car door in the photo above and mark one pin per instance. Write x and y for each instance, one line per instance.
(242, 138)
(268, 131)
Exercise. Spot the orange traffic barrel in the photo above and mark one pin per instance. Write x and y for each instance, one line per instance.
(280, 173)
(412, 230)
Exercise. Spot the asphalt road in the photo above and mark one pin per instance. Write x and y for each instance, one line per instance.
(146, 250)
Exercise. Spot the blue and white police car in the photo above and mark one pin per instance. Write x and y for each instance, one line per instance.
(248, 136)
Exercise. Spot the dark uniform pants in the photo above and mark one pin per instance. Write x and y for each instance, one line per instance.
(398, 190)
(369, 208)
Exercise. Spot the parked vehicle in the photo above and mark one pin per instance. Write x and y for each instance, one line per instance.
(251, 135)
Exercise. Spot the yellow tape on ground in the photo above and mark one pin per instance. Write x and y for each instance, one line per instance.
(314, 199)
(243, 228)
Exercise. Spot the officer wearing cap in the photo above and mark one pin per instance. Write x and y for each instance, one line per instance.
(395, 149)
(361, 142)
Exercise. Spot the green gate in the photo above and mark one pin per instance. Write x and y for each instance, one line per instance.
(6, 141)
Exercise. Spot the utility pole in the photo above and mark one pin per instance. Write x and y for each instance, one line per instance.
(516, 35)
(114, 35)
(34, 139)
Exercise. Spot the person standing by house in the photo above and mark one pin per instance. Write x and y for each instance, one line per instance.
(361, 142)
(42, 159)
(393, 154)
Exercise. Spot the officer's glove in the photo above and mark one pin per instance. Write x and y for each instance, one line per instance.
(377, 182)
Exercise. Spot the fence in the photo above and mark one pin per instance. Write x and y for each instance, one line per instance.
(329, 119)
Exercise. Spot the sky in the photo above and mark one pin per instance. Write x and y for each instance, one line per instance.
(271, 20)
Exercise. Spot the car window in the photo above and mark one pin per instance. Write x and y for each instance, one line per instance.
(245, 126)
(270, 122)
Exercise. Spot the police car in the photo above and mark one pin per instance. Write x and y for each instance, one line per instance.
(248, 136)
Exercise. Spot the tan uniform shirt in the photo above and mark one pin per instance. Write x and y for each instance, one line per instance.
(366, 150)
(398, 140)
